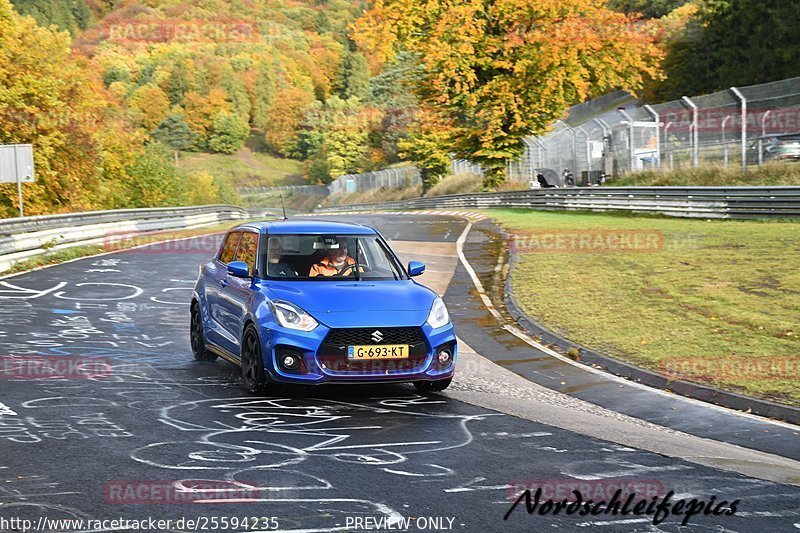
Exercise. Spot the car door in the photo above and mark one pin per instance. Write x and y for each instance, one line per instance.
(237, 293)
(217, 279)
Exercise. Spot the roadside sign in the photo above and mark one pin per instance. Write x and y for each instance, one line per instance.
(16, 163)
(16, 166)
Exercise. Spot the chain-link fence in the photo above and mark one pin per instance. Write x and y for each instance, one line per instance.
(615, 135)
(394, 178)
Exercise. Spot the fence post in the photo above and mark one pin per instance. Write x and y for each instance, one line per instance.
(588, 151)
(631, 132)
(529, 153)
(543, 155)
(736, 92)
(695, 135)
(763, 135)
(669, 144)
(574, 145)
(725, 141)
(657, 119)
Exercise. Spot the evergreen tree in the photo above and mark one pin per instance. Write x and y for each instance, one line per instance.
(646, 8)
(178, 83)
(175, 133)
(263, 94)
(353, 77)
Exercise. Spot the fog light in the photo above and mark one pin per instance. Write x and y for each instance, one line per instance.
(445, 357)
(290, 362)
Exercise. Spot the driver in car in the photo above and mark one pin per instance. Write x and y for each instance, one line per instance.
(276, 266)
(335, 263)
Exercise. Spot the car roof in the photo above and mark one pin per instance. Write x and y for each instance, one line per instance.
(309, 227)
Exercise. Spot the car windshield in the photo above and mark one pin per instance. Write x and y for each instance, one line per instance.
(330, 257)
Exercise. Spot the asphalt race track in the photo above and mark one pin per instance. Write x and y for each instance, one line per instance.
(154, 434)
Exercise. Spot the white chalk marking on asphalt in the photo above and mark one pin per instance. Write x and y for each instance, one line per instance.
(526, 338)
(614, 522)
(6, 411)
(444, 471)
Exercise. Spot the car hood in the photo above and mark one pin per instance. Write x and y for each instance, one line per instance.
(358, 303)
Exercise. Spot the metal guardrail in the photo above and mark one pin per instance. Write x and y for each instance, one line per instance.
(21, 238)
(9, 226)
(690, 202)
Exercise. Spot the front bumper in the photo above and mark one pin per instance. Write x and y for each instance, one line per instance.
(322, 364)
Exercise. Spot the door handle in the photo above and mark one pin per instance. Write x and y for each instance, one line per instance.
(223, 283)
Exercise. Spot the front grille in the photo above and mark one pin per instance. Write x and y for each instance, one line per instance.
(339, 364)
(332, 354)
(355, 336)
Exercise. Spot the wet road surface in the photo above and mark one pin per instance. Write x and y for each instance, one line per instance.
(157, 435)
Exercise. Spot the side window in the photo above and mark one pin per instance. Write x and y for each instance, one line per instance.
(229, 248)
(247, 250)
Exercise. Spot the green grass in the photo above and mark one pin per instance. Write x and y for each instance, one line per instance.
(246, 168)
(768, 175)
(725, 293)
(296, 202)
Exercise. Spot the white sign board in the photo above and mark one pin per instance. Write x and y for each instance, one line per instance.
(16, 163)
(596, 149)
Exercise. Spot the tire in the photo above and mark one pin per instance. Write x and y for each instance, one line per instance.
(432, 386)
(253, 376)
(198, 340)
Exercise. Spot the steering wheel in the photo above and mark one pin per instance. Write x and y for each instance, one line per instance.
(347, 267)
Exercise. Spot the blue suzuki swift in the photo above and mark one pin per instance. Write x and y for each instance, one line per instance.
(308, 302)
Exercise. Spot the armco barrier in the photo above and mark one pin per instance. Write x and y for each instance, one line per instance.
(21, 238)
(693, 202)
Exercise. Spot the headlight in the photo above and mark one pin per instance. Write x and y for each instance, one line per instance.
(439, 316)
(290, 316)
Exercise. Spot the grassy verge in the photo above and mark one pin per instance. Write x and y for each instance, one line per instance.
(246, 168)
(714, 302)
(384, 194)
(769, 174)
(455, 184)
(76, 252)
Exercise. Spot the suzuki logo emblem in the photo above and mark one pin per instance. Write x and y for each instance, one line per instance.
(377, 336)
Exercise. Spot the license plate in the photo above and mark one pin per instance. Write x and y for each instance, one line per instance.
(385, 351)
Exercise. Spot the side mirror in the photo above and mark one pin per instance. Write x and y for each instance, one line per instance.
(415, 268)
(239, 269)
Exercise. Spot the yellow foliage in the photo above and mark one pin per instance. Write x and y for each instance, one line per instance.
(201, 188)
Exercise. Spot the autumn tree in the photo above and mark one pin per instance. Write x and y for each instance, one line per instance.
(50, 100)
(149, 106)
(502, 69)
(285, 116)
(424, 146)
(200, 112)
(228, 133)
